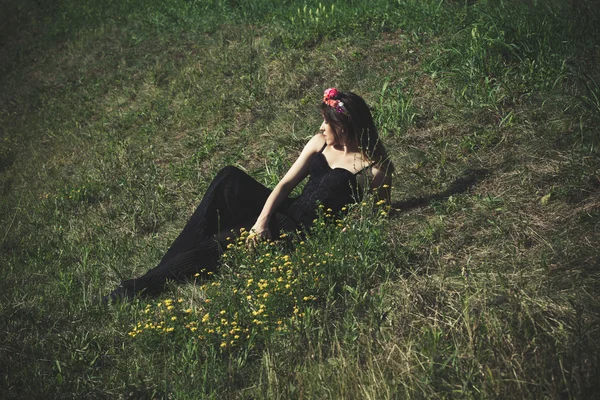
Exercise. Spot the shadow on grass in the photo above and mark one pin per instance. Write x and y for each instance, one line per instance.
(460, 185)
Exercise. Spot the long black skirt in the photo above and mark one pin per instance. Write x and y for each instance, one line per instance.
(234, 200)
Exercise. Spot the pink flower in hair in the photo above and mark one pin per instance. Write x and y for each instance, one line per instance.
(329, 99)
(329, 94)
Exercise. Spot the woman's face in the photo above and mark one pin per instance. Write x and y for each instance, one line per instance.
(327, 132)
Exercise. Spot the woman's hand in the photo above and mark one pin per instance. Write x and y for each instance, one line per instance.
(257, 233)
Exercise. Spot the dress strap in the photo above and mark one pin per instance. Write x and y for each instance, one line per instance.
(364, 168)
(323, 148)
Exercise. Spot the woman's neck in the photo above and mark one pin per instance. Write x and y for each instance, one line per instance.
(346, 149)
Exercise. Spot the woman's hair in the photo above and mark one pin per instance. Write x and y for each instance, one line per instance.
(354, 118)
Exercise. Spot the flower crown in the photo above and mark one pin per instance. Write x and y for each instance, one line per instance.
(329, 99)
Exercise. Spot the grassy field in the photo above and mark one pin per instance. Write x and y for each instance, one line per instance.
(482, 281)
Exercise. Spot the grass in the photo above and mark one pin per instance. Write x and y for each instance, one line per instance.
(482, 283)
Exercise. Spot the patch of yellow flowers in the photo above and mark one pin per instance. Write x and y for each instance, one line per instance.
(262, 291)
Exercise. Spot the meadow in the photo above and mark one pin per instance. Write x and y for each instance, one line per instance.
(480, 280)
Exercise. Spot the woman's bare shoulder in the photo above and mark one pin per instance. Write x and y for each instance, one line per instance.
(315, 144)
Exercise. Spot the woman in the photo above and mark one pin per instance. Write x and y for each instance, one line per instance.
(343, 160)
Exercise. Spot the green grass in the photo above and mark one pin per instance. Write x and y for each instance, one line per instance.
(115, 116)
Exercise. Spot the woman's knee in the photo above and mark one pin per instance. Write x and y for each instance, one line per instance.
(230, 171)
(230, 179)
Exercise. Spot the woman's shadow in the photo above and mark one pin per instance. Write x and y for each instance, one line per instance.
(468, 179)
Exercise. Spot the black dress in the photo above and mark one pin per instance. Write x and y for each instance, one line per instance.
(235, 200)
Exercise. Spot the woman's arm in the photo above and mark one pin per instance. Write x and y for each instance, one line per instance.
(297, 172)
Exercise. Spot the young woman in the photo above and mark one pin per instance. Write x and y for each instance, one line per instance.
(345, 159)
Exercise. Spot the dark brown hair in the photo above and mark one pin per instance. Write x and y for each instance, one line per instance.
(357, 123)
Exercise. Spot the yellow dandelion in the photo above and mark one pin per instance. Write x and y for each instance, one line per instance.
(206, 317)
(224, 344)
(173, 318)
(196, 274)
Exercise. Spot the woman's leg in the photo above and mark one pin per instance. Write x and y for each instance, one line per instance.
(233, 197)
(232, 200)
